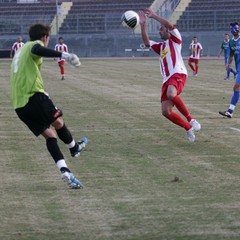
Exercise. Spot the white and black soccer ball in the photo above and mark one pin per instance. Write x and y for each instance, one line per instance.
(130, 19)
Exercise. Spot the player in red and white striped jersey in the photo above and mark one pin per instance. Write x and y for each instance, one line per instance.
(18, 44)
(196, 50)
(61, 47)
(173, 71)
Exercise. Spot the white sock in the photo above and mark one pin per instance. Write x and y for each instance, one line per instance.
(232, 107)
(71, 144)
(61, 163)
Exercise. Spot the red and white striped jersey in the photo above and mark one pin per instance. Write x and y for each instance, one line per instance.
(195, 49)
(16, 46)
(170, 59)
(61, 48)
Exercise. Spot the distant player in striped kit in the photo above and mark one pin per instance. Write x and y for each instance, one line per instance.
(61, 47)
(18, 44)
(196, 50)
(173, 71)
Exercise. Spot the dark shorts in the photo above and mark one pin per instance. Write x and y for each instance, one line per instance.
(39, 113)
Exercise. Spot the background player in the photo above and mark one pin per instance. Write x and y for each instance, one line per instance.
(225, 48)
(234, 53)
(61, 47)
(18, 44)
(173, 71)
(196, 50)
(34, 106)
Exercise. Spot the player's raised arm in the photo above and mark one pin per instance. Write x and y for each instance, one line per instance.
(145, 37)
(151, 14)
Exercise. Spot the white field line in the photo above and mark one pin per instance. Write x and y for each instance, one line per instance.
(235, 129)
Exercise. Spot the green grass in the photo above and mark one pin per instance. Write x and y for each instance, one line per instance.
(131, 162)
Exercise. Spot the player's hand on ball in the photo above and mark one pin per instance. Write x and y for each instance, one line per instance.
(71, 58)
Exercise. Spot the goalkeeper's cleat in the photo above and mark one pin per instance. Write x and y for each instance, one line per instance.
(226, 78)
(79, 146)
(226, 114)
(195, 124)
(191, 135)
(71, 180)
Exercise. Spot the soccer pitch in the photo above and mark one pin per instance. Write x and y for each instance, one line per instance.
(142, 178)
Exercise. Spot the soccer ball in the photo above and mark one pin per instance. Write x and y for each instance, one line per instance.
(130, 19)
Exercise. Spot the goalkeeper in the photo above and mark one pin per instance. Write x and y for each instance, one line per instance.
(33, 105)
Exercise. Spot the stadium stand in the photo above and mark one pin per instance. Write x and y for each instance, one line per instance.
(98, 16)
(209, 15)
(85, 16)
(93, 27)
(90, 26)
(17, 19)
(8, 1)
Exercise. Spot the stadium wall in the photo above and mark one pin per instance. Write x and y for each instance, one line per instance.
(115, 45)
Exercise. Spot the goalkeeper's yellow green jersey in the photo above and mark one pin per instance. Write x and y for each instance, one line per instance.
(26, 77)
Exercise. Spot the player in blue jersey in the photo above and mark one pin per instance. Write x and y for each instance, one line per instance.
(225, 48)
(234, 53)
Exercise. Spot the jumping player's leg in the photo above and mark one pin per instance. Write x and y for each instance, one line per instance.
(174, 89)
(170, 97)
(168, 105)
(175, 118)
(178, 102)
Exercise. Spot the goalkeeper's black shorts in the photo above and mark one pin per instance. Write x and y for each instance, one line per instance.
(39, 113)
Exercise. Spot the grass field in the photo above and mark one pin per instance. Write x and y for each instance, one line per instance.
(142, 178)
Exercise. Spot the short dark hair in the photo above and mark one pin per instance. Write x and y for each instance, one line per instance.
(37, 31)
(234, 23)
(60, 38)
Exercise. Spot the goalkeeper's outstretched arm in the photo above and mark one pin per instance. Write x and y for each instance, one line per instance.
(47, 52)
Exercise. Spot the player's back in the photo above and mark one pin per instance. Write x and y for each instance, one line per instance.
(25, 74)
